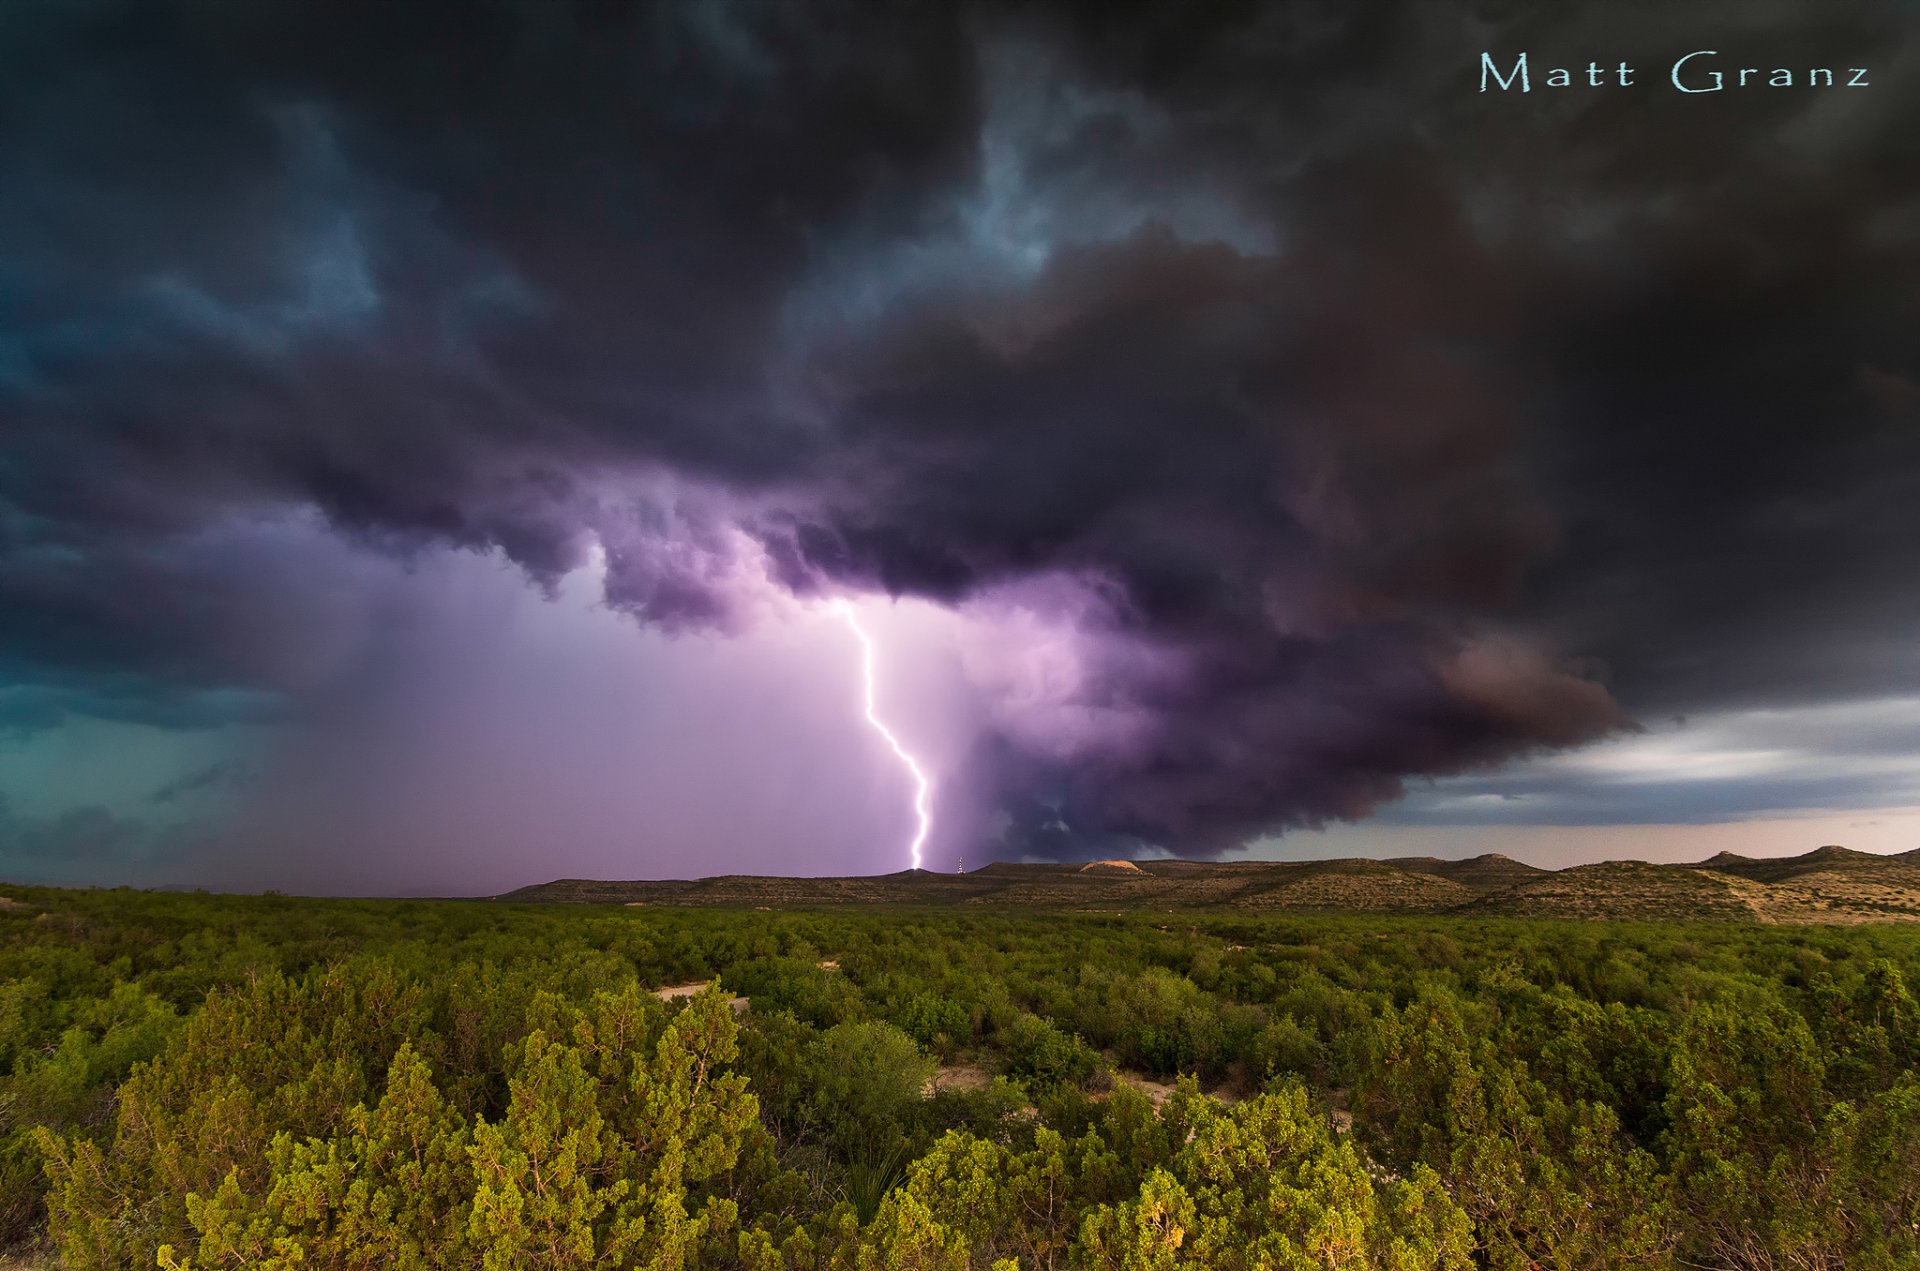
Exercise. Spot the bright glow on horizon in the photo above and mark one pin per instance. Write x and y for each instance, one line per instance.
(923, 788)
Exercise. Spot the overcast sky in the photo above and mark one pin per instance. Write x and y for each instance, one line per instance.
(436, 437)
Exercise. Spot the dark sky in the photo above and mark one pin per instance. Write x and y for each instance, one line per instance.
(435, 434)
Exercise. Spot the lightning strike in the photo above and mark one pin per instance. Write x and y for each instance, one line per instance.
(923, 788)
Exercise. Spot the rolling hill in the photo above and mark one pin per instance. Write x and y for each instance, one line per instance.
(1827, 885)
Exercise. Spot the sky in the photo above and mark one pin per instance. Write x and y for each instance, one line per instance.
(441, 445)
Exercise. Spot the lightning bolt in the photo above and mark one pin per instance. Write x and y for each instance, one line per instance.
(922, 787)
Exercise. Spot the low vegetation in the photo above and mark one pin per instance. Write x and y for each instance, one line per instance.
(207, 1081)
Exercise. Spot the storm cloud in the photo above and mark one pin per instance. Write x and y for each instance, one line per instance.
(1359, 426)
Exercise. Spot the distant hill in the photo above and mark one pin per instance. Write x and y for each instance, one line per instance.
(1488, 872)
(1633, 889)
(1827, 885)
(1840, 861)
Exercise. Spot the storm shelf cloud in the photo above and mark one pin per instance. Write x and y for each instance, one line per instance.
(1234, 418)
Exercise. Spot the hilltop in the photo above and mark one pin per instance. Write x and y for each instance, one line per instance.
(1827, 885)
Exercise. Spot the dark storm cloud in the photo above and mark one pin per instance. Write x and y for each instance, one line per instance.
(1397, 417)
(48, 848)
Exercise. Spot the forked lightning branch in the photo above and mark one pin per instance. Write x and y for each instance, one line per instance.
(922, 786)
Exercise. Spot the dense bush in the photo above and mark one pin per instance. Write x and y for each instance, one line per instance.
(199, 1081)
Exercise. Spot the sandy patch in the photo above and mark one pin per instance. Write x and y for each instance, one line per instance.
(957, 1077)
(1157, 1091)
(1338, 1100)
(673, 991)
